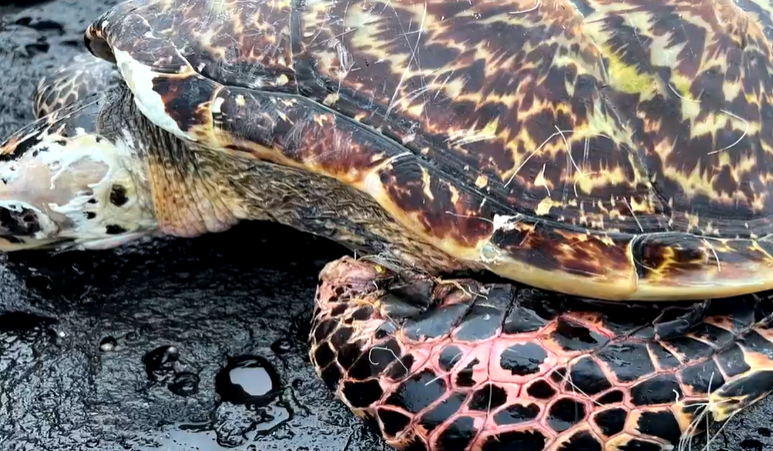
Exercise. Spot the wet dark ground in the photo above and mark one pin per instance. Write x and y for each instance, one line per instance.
(139, 348)
(162, 345)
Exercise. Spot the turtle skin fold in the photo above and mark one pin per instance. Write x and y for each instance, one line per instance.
(465, 365)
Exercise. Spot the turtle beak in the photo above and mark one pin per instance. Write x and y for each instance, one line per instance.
(61, 192)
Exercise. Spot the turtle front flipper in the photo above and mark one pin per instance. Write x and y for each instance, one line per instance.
(498, 366)
(84, 76)
(68, 183)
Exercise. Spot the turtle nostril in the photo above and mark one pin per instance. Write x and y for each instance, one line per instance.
(19, 222)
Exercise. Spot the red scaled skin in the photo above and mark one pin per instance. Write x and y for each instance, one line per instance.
(489, 367)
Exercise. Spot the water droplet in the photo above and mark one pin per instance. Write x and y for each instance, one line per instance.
(184, 384)
(247, 380)
(159, 363)
(107, 344)
(282, 346)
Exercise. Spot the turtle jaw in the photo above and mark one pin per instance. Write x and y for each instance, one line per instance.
(72, 192)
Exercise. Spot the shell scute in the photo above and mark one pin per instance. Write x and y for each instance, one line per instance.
(442, 411)
(605, 125)
(235, 42)
(610, 421)
(628, 362)
(187, 99)
(583, 439)
(393, 421)
(517, 413)
(585, 400)
(660, 423)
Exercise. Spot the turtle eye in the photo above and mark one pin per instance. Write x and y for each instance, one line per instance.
(118, 195)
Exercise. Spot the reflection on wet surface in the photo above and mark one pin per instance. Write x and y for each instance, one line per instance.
(179, 343)
(248, 380)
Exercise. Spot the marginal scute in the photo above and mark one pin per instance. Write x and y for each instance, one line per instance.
(661, 424)
(349, 353)
(187, 100)
(341, 336)
(324, 329)
(362, 394)
(331, 376)
(393, 421)
(323, 355)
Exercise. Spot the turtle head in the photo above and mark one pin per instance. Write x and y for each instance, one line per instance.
(71, 191)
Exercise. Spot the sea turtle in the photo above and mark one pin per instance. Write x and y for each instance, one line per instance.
(523, 178)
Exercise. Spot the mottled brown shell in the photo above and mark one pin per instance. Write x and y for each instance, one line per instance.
(605, 148)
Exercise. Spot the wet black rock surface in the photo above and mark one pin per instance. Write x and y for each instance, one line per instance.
(174, 344)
